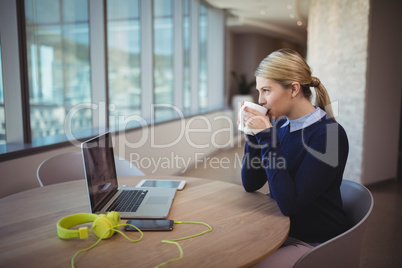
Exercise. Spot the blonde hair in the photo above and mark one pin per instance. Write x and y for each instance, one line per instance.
(286, 66)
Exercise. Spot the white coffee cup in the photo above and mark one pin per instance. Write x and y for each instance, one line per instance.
(254, 106)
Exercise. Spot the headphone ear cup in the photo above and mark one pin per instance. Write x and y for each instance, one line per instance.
(103, 227)
(114, 217)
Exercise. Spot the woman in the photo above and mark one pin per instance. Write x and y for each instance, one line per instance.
(302, 154)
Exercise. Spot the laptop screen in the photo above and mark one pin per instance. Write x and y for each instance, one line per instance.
(100, 169)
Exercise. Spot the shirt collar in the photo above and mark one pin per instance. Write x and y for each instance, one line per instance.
(305, 121)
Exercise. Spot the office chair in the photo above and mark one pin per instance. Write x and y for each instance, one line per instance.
(125, 168)
(344, 249)
(69, 166)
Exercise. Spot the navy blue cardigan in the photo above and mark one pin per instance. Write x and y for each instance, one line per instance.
(304, 169)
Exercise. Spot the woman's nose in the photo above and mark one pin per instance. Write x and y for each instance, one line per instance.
(261, 99)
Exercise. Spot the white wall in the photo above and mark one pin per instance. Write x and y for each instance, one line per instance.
(165, 149)
(337, 54)
(354, 48)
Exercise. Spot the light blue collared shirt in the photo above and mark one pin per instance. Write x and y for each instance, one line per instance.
(306, 120)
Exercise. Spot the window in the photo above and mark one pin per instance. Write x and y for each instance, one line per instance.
(203, 89)
(124, 48)
(163, 59)
(145, 59)
(186, 61)
(57, 37)
(2, 115)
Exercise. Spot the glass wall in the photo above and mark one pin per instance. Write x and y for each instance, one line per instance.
(153, 56)
(163, 59)
(2, 116)
(203, 75)
(186, 61)
(57, 45)
(124, 48)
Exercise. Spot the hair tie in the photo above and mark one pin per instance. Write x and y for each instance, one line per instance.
(315, 82)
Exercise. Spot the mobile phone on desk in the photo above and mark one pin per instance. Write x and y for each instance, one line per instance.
(178, 184)
(150, 225)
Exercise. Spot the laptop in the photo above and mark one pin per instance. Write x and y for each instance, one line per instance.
(103, 190)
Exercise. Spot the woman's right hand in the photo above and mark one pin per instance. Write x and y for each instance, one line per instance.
(255, 120)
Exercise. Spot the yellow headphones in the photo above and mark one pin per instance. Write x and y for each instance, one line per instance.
(102, 225)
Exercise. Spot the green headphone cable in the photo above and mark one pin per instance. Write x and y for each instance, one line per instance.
(114, 228)
(170, 241)
(174, 241)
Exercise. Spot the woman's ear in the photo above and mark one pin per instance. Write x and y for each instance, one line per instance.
(295, 87)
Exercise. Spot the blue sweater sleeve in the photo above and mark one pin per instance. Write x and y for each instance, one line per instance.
(316, 171)
(252, 173)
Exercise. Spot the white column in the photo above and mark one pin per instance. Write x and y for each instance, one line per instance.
(11, 72)
(98, 64)
(147, 83)
(194, 53)
(178, 53)
(216, 58)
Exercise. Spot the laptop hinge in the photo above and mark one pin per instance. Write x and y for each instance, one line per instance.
(105, 200)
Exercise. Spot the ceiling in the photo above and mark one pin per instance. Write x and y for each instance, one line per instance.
(277, 18)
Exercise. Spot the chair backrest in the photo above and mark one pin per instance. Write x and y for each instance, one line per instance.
(344, 249)
(126, 168)
(61, 168)
(69, 166)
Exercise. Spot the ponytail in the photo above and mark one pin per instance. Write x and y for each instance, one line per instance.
(322, 98)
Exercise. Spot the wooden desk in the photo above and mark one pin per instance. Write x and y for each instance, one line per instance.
(246, 228)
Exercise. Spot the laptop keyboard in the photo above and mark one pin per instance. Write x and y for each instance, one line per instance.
(128, 201)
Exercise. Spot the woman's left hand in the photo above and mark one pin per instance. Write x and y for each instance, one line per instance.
(256, 120)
